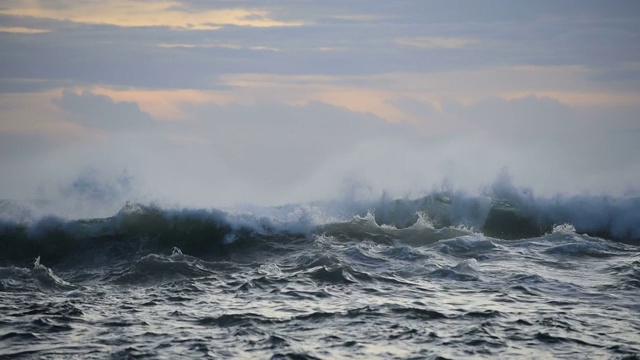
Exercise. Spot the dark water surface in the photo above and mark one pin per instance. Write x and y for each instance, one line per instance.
(346, 289)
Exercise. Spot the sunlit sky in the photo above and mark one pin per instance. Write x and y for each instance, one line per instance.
(202, 102)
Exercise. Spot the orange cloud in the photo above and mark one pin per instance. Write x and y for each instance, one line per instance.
(376, 94)
(22, 30)
(36, 114)
(142, 13)
(165, 104)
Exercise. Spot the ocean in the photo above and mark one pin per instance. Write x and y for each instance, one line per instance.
(442, 276)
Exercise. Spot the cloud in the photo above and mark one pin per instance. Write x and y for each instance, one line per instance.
(519, 119)
(101, 112)
(17, 154)
(405, 37)
(429, 11)
(137, 13)
(20, 147)
(436, 42)
(21, 30)
(17, 86)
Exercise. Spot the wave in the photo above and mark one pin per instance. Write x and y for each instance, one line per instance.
(517, 214)
(154, 267)
(503, 212)
(14, 278)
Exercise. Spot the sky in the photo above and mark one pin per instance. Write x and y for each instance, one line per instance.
(208, 103)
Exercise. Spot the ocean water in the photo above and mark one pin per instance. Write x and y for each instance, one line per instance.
(444, 276)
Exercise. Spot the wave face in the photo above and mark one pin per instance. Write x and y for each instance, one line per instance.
(139, 229)
(447, 275)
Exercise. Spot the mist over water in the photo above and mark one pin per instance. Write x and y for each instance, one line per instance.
(97, 178)
(389, 245)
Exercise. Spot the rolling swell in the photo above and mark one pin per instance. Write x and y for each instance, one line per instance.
(512, 214)
(140, 230)
(135, 230)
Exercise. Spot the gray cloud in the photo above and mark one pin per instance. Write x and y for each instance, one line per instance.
(592, 34)
(429, 11)
(21, 176)
(101, 112)
(16, 86)
(518, 120)
(16, 147)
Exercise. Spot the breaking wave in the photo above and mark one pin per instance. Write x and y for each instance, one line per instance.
(142, 229)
